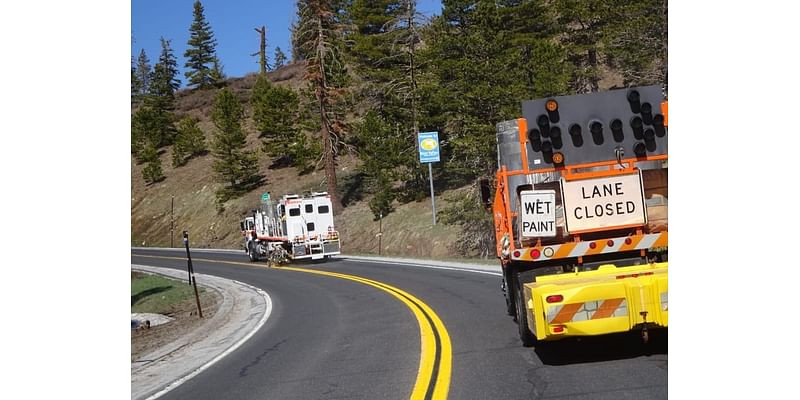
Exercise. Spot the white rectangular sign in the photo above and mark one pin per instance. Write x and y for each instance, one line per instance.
(599, 203)
(537, 213)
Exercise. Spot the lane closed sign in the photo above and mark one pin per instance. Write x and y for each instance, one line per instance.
(592, 204)
(538, 213)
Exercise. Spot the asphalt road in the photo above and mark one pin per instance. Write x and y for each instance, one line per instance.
(332, 338)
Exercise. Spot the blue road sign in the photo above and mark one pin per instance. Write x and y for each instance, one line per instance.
(428, 147)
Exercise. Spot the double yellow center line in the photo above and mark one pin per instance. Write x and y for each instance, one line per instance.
(435, 367)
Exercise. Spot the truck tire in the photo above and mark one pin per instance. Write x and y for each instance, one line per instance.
(509, 292)
(525, 335)
(251, 251)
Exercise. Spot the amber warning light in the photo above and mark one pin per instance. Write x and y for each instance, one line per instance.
(551, 105)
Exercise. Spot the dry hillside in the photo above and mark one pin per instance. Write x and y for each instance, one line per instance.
(408, 231)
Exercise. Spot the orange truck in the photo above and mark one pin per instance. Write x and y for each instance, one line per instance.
(580, 214)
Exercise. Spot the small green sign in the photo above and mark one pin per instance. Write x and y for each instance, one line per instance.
(265, 197)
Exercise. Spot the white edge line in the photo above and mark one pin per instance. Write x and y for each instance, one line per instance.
(349, 258)
(235, 346)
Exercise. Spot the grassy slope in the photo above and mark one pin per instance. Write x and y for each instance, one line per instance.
(408, 231)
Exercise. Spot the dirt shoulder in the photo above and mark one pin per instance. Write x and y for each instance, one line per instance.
(185, 320)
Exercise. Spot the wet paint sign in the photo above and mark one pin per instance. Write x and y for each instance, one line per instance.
(428, 147)
(538, 213)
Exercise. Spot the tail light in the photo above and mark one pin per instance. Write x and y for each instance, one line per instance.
(554, 298)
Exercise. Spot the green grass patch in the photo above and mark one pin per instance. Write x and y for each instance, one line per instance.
(157, 294)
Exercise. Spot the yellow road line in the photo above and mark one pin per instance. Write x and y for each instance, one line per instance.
(433, 377)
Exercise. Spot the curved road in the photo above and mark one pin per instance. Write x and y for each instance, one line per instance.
(331, 338)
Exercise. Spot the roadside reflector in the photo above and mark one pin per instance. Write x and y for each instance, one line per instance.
(628, 241)
(592, 245)
(558, 329)
(610, 243)
(551, 105)
(555, 298)
(535, 254)
(516, 253)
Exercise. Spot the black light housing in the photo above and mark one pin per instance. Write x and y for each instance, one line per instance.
(616, 130)
(633, 100)
(658, 125)
(639, 149)
(647, 113)
(596, 127)
(575, 134)
(555, 137)
(638, 127)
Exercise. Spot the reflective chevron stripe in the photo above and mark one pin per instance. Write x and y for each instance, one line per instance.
(596, 309)
(579, 249)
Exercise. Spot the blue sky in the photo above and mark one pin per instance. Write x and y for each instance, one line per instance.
(232, 23)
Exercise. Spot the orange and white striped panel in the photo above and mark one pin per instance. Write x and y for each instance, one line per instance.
(603, 246)
(596, 309)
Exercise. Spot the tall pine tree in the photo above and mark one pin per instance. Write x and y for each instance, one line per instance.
(234, 165)
(144, 73)
(201, 59)
(318, 36)
(165, 80)
(275, 117)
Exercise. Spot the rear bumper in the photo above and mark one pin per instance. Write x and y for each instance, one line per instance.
(316, 250)
(600, 302)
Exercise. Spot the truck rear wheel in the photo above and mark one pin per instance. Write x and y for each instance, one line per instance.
(509, 292)
(251, 251)
(525, 334)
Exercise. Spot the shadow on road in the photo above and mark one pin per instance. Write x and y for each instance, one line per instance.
(602, 348)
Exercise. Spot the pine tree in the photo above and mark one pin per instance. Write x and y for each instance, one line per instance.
(217, 75)
(280, 58)
(234, 165)
(319, 42)
(189, 142)
(201, 54)
(275, 117)
(136, 85)
(385, 51)
(149, 127)
(143, 74)
(165, 80)
(636, 41)
(152, 172)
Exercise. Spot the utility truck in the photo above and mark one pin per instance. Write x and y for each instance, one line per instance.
(293, 228)
(580, 214)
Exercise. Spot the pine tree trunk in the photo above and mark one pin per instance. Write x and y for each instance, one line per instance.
(262, 53)
(327, 149)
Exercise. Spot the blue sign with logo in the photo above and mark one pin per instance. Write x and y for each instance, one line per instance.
(428, 147)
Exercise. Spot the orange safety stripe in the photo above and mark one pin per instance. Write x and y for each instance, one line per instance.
(634, 242)
(597, 250)
(564, 250)
(607, 308)
(566, 313)
(661, 241)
